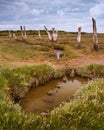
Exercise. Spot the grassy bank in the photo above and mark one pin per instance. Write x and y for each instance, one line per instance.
(84, 112)
(21, 79)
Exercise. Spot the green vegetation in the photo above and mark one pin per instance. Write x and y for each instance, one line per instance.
(34, 49)
(84, 112)
(91, 71)
(19, 80)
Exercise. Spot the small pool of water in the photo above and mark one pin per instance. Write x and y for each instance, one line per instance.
(58, 53)
(46, 97)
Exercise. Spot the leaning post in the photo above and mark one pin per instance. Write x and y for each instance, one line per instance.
(95, 39)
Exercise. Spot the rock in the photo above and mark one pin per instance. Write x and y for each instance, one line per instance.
(50, 92)
(72, 74)
(58, 85)
(64, 79)
(45, 114)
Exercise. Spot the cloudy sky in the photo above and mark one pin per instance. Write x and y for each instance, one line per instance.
(62, 14)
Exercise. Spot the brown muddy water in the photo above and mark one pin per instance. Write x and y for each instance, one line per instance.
(46, 97)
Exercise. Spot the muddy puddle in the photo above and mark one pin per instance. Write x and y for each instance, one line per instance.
(46, 97)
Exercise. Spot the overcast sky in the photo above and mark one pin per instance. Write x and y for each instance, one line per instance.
(62, 14)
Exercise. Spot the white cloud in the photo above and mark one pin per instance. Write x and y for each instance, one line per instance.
(37, 11)
(15, 6)
(75, 10)
(97, 10)
(9, 27)
(64, 15)
(60, 12)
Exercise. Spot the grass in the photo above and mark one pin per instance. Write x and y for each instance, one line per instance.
(40, 50)
(84, 112)
(91, 71)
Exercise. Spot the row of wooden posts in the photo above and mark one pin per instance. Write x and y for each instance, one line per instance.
(53, 35)
(23, 33)
(95, 38)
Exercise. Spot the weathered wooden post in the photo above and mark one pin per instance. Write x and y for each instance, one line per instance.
(21, 31)
(24, 32)
(95, 39)
(14, 36)
(49, 34)
(39, 35)
(54, 35)
(50, 37)
(79, 37)
(10, 35)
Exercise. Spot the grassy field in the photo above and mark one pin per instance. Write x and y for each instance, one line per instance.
(24, 63)
(34, 50)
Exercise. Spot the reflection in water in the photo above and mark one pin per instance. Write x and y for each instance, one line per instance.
(57, 53)
(37, 100)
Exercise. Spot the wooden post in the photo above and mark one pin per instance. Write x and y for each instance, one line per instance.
(95, 39)
(39, 34)
(14, 36)
(21, 31)
(49, 34)
(54, 35)
(24, 33)
(79, 37)
(10, 35)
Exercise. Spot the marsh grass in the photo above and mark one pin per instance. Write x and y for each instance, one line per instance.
(29, 49)
(85, 111)
(90, 71)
